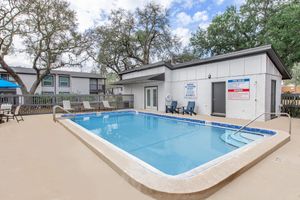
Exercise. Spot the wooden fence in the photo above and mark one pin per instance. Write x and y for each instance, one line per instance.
(291, 104)
(41, 104)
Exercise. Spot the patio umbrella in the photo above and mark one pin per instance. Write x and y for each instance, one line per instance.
(8, 84)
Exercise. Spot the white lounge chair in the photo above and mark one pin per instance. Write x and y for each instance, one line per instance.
(15, 115)
(106, 105)
(67, 105)
(87, 106)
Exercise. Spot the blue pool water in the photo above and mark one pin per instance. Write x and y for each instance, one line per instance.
(172, 146)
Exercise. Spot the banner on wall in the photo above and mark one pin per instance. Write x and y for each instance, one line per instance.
(190, 90)
(239, 89)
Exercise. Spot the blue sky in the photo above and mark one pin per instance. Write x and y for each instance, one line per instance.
(185, 16)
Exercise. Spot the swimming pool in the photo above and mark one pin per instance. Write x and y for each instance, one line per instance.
(172, 156)
(171, 145)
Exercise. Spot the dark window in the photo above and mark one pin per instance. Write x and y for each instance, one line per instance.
(64, 81)
(48, 81)
(4, 76)
(96, 86)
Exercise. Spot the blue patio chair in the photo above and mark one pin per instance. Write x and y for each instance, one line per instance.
(189, 109)
(172, 108)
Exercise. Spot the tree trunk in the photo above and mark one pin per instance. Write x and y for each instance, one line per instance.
(38, 80)
(15, 76)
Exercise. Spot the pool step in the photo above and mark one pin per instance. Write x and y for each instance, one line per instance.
(227, 137)
(239, 139)
(252, 136)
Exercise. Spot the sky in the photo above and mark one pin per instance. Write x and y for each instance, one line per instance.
(185, 16)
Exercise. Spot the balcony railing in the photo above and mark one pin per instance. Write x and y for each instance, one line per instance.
(38, 104)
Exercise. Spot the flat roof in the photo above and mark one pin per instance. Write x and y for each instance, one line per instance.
(268, 49)
(25, 70)
(141, 79)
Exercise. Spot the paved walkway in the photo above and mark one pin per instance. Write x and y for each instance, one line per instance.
(40, 160)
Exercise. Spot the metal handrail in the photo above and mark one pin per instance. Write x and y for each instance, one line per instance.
(54, 111)
(285, 114)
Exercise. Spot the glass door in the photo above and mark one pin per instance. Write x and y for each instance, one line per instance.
(151, 98)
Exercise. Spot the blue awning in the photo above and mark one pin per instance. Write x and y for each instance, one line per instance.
(8, 84)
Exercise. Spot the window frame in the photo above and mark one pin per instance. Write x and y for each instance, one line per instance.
(59, 81)
(52, 83)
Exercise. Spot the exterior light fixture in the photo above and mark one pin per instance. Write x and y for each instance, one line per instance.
(209, 76)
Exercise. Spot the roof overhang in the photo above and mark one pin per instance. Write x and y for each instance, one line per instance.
(267, 49)
(141, 79)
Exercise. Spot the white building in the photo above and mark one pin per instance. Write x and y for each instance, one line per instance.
(240, 85)
(58, 82)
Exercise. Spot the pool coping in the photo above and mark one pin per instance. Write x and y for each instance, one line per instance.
(196, 185)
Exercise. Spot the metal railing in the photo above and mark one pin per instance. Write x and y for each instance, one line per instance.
(54, 111)
(266, 113)
(41, 104)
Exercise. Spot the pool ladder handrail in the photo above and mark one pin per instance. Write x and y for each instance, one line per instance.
(267, 113)
(54, 111)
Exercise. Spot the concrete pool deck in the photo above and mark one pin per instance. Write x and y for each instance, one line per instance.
(40, 159)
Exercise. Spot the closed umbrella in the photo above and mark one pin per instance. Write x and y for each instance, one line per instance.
(8, 84)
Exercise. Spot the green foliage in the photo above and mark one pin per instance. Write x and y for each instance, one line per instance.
(283, 31)
(296, 75)
(132, 39)
(256, 23)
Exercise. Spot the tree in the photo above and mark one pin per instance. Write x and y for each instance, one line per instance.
(296, 75)
(132, 39)
(185, 55)
(256, 23)
(48, 31)
(50, 37)
(11, 12)
(283, 31)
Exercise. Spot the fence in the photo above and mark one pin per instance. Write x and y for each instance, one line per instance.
(291, 104)
(41, 104)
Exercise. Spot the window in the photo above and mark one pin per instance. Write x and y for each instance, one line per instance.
(48, 81)
(93, 84)
(64, 81)
(4, 76)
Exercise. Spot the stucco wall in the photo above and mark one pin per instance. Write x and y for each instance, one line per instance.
(28, 81)
(259, 69)
(77, 85)
(80, 85)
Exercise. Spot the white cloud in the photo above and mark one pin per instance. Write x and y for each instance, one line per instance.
(219, 2)
(89, 11)
(183, 19)
(183, 34)
(200, 16)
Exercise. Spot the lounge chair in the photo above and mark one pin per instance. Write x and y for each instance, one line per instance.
(15, 115)
(189, 109)
(172, 108)
(87, 106)
(67, 105)
(106, 105)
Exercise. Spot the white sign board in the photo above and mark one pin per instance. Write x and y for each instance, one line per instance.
(190, 90)
(238, 89)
